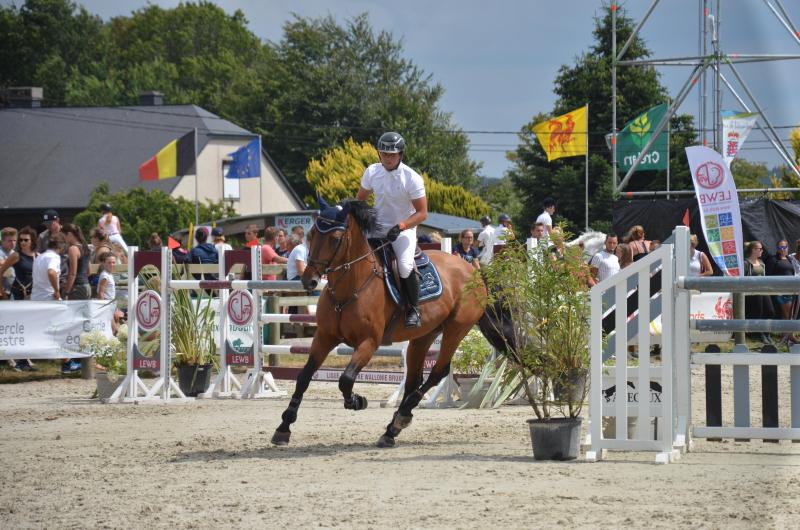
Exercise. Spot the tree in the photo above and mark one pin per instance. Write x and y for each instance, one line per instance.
(337, 175)
(336, 82)
(143, 212)
(749, 174)
(795, 139)
(589, 80)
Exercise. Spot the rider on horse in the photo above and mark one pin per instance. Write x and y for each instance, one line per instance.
(401, 204)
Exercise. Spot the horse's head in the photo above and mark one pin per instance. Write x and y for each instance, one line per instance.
(330, 239)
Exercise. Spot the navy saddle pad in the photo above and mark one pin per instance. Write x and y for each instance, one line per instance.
(430, 283)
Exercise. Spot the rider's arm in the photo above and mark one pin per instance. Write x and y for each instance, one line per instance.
(363, 194)
(421, 207)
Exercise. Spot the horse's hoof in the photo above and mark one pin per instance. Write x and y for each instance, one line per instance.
(385, 441)
(281, 438)
(356, 402)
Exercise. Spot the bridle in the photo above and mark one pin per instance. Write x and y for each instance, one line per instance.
(324, 267)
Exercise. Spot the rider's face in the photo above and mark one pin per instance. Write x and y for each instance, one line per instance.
(390, 161)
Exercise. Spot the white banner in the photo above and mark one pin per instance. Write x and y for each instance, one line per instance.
(287, 222)
(50, 330)
(719, 208)
(735, 128)
(703, 306)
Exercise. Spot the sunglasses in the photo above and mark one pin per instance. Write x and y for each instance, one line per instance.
(782, 247)
(26, 240)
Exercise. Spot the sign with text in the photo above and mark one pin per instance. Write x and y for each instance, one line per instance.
(287, 222)
(50, 330)
(719, 208)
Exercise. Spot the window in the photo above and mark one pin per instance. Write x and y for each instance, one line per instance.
(230, 187)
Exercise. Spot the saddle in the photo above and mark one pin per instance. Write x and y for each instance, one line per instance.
(430, 283)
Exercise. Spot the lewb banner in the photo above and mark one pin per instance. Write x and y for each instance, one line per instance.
(719, 208)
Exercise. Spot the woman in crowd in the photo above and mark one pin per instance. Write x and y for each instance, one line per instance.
(22, 262)
(783, 267)
(155, 243)
(639, 246)
(465, 249)
(755, 305)
(623, 253)
(100, 244)
(699, 265)
(77, 284)
(106, 286)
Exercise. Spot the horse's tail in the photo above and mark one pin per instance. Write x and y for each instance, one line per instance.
(497, 326)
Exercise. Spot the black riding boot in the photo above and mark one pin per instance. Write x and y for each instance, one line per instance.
(411, 287)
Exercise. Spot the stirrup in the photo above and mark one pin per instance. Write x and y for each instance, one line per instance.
(413, 318)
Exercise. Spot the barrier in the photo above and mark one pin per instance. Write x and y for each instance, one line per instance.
(152, 311)
(669, 385)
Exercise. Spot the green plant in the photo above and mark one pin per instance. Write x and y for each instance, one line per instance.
(472, 355)
(544, 294)
(109, 352)
(193, 327)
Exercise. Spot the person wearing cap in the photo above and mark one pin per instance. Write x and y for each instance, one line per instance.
(546, 217)
(401, 204)
(52, 222)
(109, 223)
(219, 240)
(505, 231)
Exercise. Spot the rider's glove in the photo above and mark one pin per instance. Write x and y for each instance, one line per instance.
(394, 232)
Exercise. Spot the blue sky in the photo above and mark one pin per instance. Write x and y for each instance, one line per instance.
(497, 60)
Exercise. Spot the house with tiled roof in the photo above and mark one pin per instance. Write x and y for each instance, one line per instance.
(53, 157)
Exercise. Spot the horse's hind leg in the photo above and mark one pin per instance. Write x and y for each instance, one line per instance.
(320, 347)
(413, 392)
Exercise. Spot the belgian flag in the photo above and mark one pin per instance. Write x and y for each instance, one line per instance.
(175, 159)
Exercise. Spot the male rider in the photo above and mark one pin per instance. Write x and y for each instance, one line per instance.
(401, 204)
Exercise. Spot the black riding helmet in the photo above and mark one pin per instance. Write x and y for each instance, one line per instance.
(391, 142)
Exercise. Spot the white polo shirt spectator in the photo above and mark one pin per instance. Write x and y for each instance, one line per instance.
(606, 263)
(485, 243)
(47, 261)
(298, 253)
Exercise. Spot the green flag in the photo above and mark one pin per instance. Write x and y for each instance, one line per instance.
(634, 137)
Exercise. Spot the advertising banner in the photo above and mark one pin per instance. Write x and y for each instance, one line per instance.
(50, 330)
(719, 208)
(634, 137)
(288, 221)
(735, 128)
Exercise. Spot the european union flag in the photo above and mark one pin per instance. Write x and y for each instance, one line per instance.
(246, 162)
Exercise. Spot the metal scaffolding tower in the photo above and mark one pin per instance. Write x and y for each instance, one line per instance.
(702, 64)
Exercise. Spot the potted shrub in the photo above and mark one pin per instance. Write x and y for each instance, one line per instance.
(194, 347)
(110, 355)
(467, 364)
(539, 297)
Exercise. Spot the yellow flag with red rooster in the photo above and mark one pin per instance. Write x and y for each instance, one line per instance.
(566, 135)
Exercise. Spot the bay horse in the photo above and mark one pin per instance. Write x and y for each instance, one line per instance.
(355, 308)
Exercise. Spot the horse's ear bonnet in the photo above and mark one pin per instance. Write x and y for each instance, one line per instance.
(331, 218)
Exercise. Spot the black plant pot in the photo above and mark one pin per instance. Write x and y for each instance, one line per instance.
(194, 379)
(556, 438)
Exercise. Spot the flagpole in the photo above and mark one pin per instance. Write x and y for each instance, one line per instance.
(260, 180)
(669, 128)
(587, 169)
(196, 178)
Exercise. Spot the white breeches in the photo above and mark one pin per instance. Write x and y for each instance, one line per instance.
(117, 238)
(404, 248)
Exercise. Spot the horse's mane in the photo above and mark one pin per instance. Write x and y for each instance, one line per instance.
(364, 215)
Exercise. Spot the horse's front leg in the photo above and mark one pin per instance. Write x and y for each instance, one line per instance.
(361, 356)
(320, 348)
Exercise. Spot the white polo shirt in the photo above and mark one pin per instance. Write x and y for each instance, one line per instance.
(394, 191)
(545, 219)
(607, 264)
(49, 260)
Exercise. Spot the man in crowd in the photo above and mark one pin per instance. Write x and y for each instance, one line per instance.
(546, 217)
(7, 243)
(486, 240)
(538, 232)
(505, 231)
(268, 254)
(605, 263)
